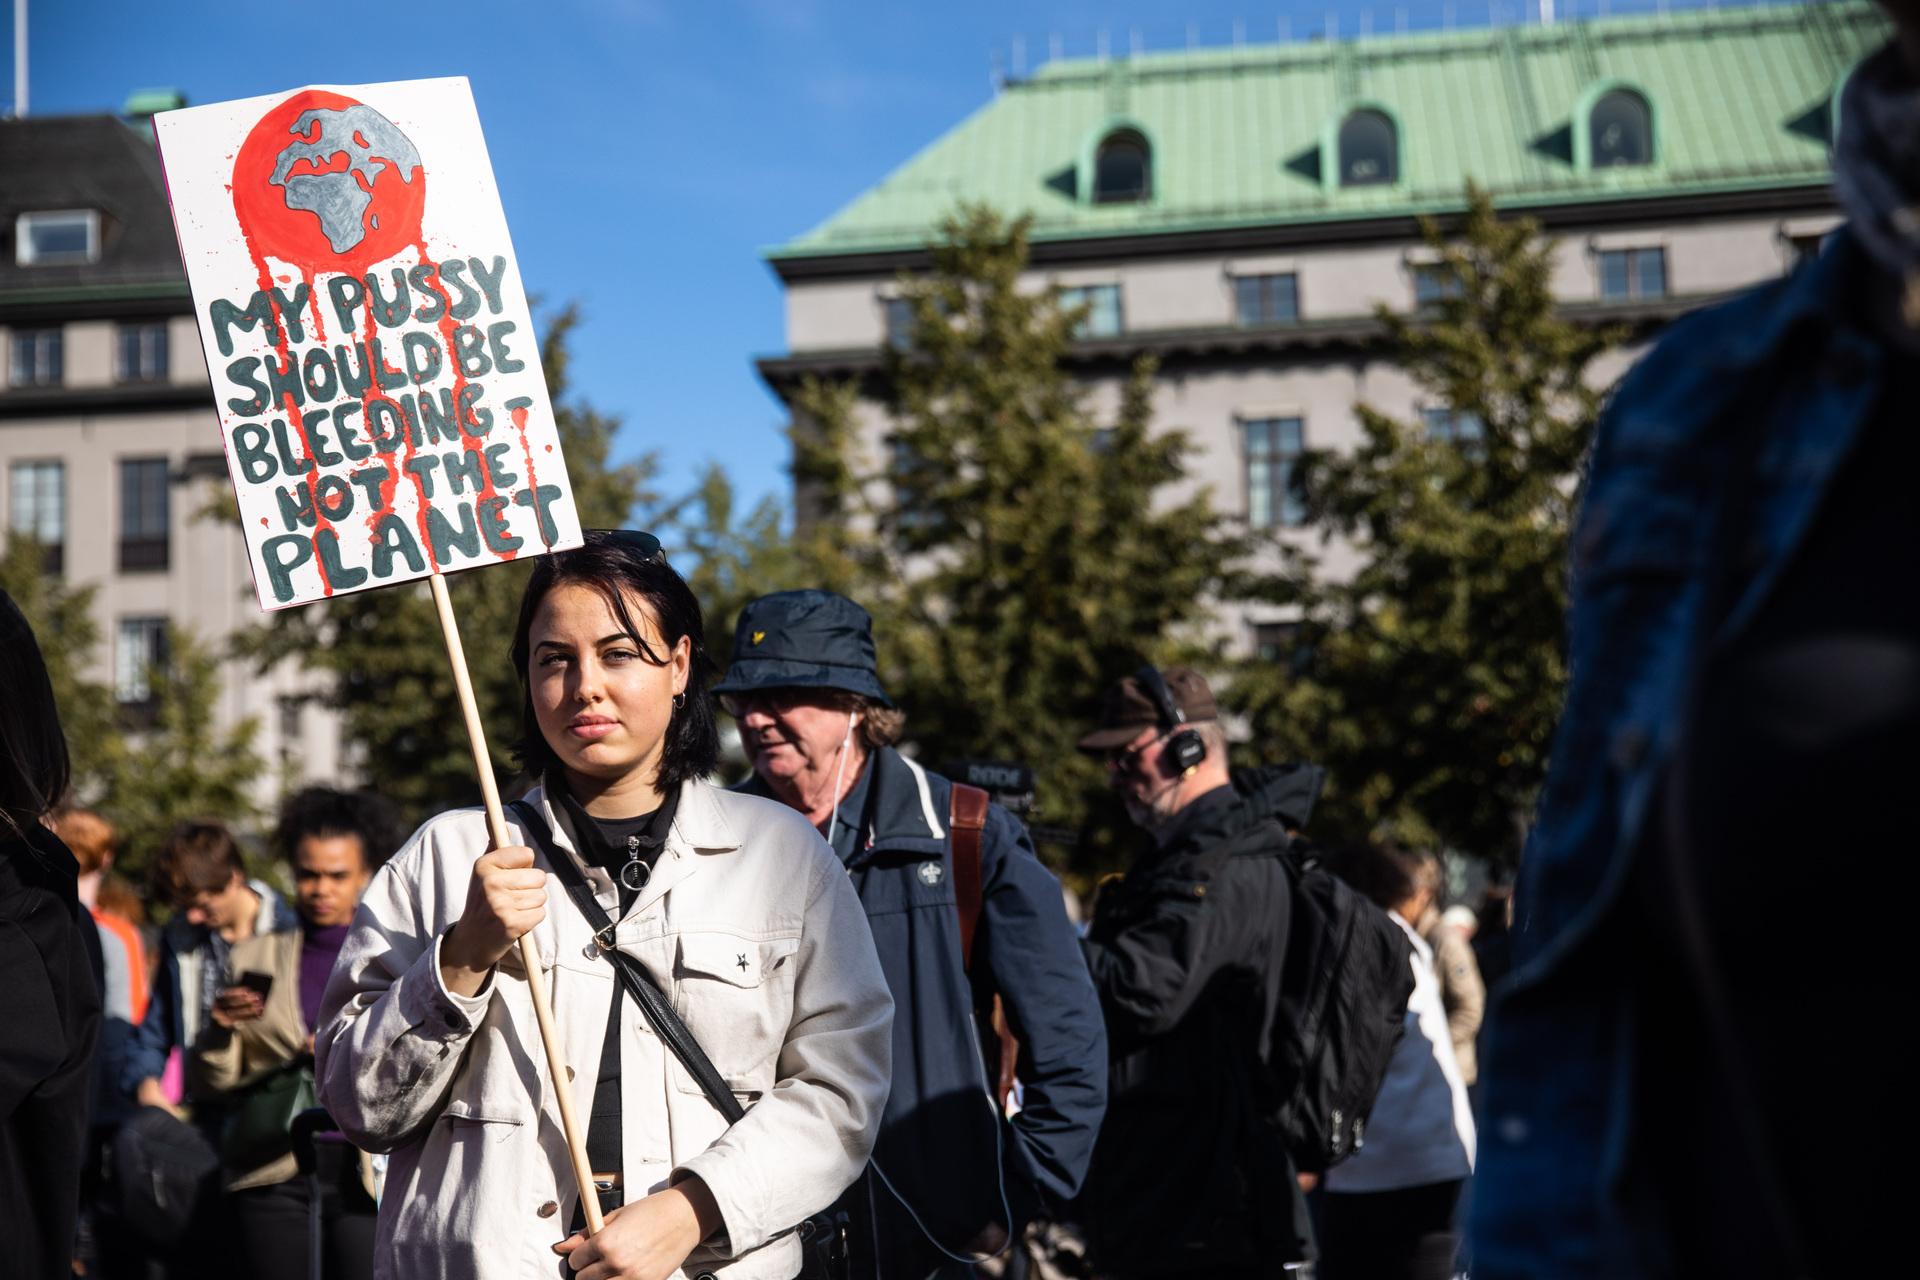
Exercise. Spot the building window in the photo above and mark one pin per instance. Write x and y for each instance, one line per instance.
(57, 238)
(141, 355)
(141, 647)
(1102, 301)
(1620, 130)
(38, 508)
(1369, 151)
(1459, 427)
(1804, 248)
(899, 320)
(1275, 447)
(39, 358)
(1433, 284)
(143, 514)
(1275, 641)
(1633, 273)
(1122, 169)
(1260, 300)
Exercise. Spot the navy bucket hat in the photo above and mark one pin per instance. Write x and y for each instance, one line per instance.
(804, 640)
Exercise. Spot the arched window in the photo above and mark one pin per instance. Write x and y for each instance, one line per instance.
(1620, 130)
(1369, 150)
(1122, 169)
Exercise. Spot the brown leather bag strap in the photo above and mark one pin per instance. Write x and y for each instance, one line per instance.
(967, 816)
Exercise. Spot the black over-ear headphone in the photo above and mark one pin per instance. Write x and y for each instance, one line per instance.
(1185, 748)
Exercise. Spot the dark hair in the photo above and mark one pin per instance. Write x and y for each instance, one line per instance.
(34, 768)
(615, 569)
(201, 856)
(1383, 872)
(325, 812)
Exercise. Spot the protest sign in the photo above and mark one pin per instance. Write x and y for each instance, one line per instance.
(377, 379)
(379, 387)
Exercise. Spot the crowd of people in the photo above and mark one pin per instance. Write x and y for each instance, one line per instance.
(838, 1020)
(936, 1068)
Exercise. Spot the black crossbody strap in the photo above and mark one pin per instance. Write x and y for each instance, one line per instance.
(639, 983)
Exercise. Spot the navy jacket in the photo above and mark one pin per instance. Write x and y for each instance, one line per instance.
(943, 1143)
(1777, 384)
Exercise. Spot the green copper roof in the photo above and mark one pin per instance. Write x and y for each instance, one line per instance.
(1742, 98)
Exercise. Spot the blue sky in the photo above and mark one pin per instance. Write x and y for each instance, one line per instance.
(647, 151)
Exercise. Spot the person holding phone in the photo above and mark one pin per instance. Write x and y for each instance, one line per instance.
(731, 905)
(255, 1054)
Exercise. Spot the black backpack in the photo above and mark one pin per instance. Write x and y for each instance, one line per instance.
(1343, 1001)
(161, 1169)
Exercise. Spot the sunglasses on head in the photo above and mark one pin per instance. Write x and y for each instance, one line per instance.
(638, 541)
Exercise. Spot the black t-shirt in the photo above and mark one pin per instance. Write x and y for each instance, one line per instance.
(620, 846)
(1774, 971)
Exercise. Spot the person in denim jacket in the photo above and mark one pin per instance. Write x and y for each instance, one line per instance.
(1689, 1072)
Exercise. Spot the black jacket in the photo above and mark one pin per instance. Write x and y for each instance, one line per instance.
(1185, 951)
(49, 1019)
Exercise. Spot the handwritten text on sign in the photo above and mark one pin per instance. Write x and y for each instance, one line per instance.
(375, 367)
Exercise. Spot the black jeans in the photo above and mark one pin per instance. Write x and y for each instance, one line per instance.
(274, 1224)
(1405, 1234)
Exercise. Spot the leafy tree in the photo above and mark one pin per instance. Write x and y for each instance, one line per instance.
(63, 623)
(1429, 681)
(1016, 556)
(383, 651)
(180, 765)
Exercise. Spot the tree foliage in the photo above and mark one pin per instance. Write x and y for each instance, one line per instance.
(382, 650)
(179, 764)
(1018, 554)
(61, 615)
(1429, 681)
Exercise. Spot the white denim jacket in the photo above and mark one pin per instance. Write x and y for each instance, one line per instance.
(750, 925)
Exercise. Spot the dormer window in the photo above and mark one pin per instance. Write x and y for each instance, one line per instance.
(58, 238)
(1369, 150)
(1122, 169)
(1620, 130)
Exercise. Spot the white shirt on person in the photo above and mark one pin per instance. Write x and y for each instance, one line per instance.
(1421, 1129)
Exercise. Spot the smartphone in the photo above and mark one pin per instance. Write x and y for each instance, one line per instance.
(258, 983)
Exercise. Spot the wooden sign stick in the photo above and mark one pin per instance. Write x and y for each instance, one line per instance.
(497, 827)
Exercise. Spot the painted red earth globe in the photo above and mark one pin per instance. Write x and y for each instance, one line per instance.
(325, 183)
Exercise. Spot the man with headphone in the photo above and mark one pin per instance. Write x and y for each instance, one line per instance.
(1186, 950)
(968, 924)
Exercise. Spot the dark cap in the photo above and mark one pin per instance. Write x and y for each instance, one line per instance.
(1129, 707)
(804, 640)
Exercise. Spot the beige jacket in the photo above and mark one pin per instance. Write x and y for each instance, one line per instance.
(1461, 991)
(750, 925)
(225, 1060)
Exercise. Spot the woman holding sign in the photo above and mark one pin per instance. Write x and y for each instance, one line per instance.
(642, 886)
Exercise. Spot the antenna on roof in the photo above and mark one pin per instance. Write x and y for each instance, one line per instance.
(1286, 29)
(1193, 36)
(1366, 23)
(1053, 47)
(1447, 14)
(1019, 57)
(1239, 33)
(1333, 25)
(1102, 41)
(20, 59)
(1135, 46)
(996, 77)
(1400, 19)
(1546, 13)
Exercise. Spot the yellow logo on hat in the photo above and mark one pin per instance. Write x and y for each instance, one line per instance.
(758, 636)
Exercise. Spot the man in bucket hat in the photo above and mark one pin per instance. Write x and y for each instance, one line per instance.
(952, 1178)
(1186, 952)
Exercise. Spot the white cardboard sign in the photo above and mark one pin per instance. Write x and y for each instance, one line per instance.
(378, 381)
